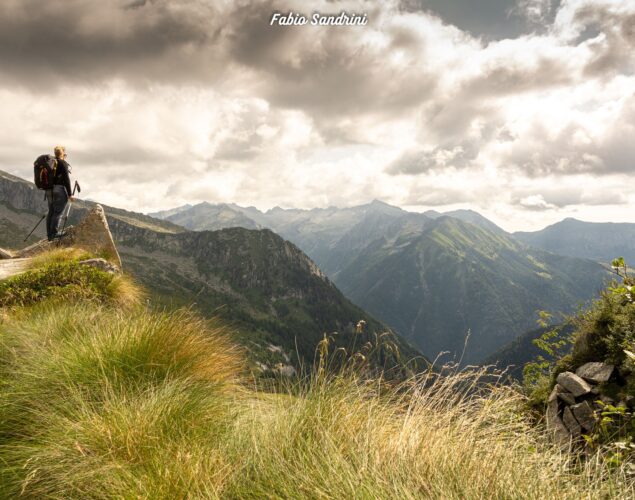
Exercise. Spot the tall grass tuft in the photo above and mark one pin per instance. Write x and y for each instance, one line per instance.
(98, 403)
(432, 437)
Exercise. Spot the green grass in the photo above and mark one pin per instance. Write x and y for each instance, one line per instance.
(97, 401)
(59, 275)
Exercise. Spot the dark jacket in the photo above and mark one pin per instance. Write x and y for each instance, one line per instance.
(61, 176)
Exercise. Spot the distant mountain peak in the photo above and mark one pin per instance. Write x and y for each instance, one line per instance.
(473, 217)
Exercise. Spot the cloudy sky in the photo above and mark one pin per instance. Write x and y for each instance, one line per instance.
(521, 109)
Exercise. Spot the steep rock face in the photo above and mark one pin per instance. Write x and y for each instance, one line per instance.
(249, 260)
(264, 286)
(21, 195)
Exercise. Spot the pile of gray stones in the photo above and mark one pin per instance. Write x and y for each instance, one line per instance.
(573, 405)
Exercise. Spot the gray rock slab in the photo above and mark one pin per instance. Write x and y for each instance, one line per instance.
(595, 372)
(574, 384)
(556, 426)
(571, 423)
(554, 393)
(567, 397)
(583, 413)
(560, 392)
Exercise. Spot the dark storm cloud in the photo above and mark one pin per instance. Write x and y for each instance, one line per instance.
(331, 71)
(327, 71)
(45, 43)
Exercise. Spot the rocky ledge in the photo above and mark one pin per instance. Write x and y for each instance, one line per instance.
(92, 234)
(577, 399)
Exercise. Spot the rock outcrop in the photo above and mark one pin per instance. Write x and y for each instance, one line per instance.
(594, 372)
(91, 234)
(574, 384)
(576, 400)
(101, 264)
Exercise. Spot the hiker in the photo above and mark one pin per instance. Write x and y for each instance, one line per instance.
(59, 195)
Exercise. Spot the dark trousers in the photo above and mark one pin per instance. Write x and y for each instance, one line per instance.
(57, 199)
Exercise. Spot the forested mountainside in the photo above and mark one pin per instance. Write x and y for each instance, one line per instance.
(433, 277)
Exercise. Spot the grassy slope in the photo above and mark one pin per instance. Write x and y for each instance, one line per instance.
(98, 400)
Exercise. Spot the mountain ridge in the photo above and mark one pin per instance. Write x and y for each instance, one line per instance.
(265, 288)
(601, 241)
(398, 264)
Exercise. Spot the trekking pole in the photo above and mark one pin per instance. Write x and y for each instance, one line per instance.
(32, 230)
(67, 209)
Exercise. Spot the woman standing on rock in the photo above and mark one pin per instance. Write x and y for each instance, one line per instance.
(59, 195)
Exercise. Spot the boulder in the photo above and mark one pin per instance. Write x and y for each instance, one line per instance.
(574, 384)
(567, 397)
(554, 393)
(571, 422)
(556, 426)
(560, 392)
(583, 413)
(595, 372)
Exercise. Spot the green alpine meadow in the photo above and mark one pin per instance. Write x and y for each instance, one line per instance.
(103, 396)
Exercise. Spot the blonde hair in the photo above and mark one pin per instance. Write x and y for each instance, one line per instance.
(60, 152)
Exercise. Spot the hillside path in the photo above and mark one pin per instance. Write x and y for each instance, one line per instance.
(11, 267)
